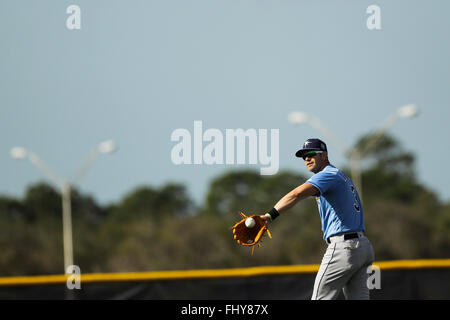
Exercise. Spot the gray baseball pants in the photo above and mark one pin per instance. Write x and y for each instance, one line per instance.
(344, 267)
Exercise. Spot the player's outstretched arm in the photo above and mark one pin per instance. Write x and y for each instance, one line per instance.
(290, 199)
(301, 192)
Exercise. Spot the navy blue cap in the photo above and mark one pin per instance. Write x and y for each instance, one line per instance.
(311, 145)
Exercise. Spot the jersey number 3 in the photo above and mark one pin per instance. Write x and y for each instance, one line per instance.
(355, 196)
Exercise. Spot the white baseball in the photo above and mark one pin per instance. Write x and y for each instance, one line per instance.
(250, 222)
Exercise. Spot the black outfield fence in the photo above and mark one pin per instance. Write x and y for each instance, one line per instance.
(403, 279)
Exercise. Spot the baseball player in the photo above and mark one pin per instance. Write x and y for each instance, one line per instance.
(349, 253)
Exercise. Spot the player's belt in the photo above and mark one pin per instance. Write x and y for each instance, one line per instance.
(346, 236)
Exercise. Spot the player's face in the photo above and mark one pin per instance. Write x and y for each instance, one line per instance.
(315, 162)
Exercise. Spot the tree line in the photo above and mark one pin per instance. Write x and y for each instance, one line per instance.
(164, 229)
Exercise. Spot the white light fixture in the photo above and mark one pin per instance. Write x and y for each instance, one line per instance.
(18, 153)
(408, 111)
(297, 117)
(108, 146)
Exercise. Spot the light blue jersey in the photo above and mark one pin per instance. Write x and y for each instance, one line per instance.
(339, 204)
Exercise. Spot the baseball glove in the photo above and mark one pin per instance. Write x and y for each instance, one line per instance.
(250, 236)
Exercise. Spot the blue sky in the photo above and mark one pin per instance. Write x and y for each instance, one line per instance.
(138, 70)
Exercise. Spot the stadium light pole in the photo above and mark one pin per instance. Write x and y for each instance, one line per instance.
(353, 154)
(64, 186)
(407, 111)
(403, 112)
